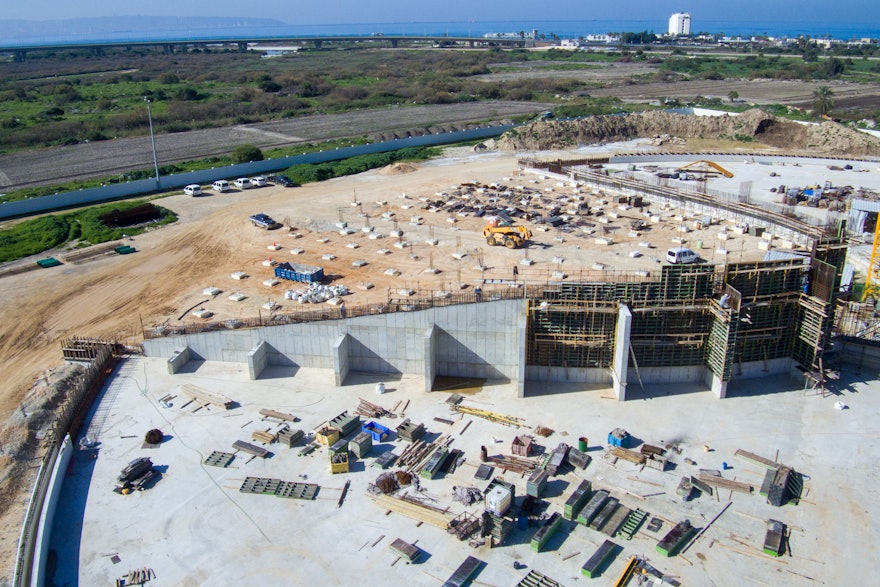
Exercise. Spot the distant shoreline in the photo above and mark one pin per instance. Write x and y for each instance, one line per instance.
(148, 29)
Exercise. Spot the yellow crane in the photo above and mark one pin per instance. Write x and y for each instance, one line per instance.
(703, 166)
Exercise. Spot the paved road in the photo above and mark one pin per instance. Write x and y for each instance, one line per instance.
(59, 164)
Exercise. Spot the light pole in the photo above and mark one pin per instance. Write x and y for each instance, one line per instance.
(152, 140)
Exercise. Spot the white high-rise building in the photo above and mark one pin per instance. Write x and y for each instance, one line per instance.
(680, 24)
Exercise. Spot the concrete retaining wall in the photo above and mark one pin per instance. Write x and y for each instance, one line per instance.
(861, 354)
(568, 374)
(50, 502)
(471, 340)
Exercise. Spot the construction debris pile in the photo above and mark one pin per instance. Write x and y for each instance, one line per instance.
(316, 293)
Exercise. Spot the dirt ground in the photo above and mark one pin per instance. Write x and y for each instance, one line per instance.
(116, 296)
(792, 93)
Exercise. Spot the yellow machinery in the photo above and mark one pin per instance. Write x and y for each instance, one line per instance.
(873, 277)
(511, 236)
(705, 167)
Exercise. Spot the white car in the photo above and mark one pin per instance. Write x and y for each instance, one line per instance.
(682, 255)
(242, 183)
(193, 189)
(221, 185)
(258, 181)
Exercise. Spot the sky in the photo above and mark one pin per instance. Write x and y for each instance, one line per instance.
(390, 11)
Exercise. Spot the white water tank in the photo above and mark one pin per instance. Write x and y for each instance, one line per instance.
(498, 500)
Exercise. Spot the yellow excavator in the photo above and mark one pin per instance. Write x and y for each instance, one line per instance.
(705, 167)
(501, 233)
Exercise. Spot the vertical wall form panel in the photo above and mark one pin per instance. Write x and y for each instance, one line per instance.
(430, 357)
(257, 360)
(341, 365)
(721, 344)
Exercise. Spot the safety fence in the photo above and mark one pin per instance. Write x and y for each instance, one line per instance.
(143, 187)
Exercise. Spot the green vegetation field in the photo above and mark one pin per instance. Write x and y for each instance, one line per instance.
(85, 227)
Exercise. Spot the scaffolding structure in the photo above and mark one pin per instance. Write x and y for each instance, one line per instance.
(717, 316)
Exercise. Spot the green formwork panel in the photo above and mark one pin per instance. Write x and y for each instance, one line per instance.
(546, 531)
(675, 538)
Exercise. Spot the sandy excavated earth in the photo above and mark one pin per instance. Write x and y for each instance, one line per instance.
(115, 296)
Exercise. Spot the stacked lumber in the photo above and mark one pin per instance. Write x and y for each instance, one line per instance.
(628, 455)
(267, 413)
(723, 483)
(264, 436)
(515, 464)
(205, 397)
(754, 459)
(415, 510)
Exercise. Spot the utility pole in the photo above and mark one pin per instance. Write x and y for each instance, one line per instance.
(152, 140)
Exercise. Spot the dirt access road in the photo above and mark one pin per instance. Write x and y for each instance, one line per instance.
(105, 158)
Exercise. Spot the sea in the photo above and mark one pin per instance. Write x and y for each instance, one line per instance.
(563, 29)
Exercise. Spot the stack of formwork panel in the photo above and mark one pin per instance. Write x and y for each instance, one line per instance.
(675, 538)
(596, 562)
(289, 437)
(616, 520)
(578, 459)
(547, 529)
(557, 459)
(345, 424)
(498, 527)
(605, 513)
(591, 510)
(536, 483)
(361, 445)
(577, 500)
(432, 467)
(410, 431)
(773, 539)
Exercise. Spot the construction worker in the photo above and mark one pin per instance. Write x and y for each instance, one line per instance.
(342, 309)
(478, 294)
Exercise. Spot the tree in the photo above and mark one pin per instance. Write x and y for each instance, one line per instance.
(246, 154)
(733, 95)
(823, 100)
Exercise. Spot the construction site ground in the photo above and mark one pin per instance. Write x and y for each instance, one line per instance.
(117, 296)
(193, 525)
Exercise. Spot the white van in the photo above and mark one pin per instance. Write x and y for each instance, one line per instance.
(242, 183)
(221, 185)
(681, 255)
(193, 189)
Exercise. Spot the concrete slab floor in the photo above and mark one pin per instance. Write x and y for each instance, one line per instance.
(194, 527)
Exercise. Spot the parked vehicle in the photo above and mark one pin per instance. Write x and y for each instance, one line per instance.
(193, 189)
(283, 180)
(681, 255)
(258, 181)
(242, 183)
(264, 221)
(221, 185)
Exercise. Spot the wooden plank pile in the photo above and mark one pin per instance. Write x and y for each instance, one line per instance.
(415, 510)
(515, 464)
(203, 397)
(722, 483)
(249, 448)
(405, 550)
(754, 459)
(264, 436)
(284, 417)
(628, 455)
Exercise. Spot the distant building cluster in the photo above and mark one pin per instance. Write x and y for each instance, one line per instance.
(680, 24)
